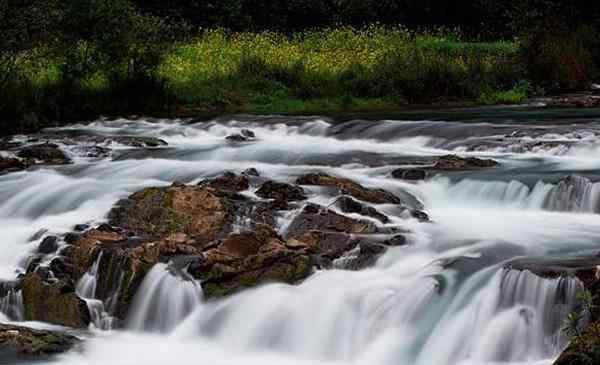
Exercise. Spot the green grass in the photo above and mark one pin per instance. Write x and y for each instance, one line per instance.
(326, 71)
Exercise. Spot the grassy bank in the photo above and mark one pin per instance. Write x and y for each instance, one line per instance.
(320, 71)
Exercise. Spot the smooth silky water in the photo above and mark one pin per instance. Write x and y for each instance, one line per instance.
(445, 298)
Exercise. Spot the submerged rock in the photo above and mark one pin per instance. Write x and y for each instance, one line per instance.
(53, 302)
(48, 153)
(245, 135)
(454, 162)
(409, 174)
(280, 191)
(28, 342)
(349, 187)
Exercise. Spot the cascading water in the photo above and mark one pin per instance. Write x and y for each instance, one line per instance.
(164, 299)
(444, 298)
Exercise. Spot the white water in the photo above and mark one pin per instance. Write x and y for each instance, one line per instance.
(443, 299)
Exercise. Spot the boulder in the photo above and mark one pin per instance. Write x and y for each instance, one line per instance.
(349, 187)
(228, 182)
(48, 245)
(318, 218)
(251, 172)
(247, 259)
(199, 211)
(409, 174)
(454, 162)
(9, 164)
(54, 302)
(28, 342)
(349, 205)
(280, 191)
(48, 153)
(245, 135)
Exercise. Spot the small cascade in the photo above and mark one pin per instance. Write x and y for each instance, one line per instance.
(574, 194)
(11, 304)
(166, 296)
(86, 289)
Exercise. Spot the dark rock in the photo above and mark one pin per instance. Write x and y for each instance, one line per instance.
(349, 205)
(349, 187)
(397, 240)
(61, 268)
(92, 151)
(135, 141)
(364, 256)
(81, 227)
(419, 214)
(28, 342)
(280, 191)
(314, 217)
(48, 153)
(8, 164)
(330, 245)
(228, 181)
(247, 133)
(247, 259)
(48, 245)
(54, 303)
(251, 172)
(454, 162)
(409, 174)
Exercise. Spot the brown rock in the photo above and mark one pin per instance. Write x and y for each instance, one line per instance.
(349, 187)
(29, 342)
(281, 191)
(453, 162)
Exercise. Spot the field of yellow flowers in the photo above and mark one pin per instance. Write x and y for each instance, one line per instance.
(340, 68)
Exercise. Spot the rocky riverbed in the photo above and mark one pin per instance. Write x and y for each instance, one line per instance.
(485, 232)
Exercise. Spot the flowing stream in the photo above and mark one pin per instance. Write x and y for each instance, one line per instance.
(446, 298)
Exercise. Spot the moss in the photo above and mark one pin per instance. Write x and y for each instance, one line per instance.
(583, 349)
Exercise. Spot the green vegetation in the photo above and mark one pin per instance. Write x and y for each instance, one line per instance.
(71, 60)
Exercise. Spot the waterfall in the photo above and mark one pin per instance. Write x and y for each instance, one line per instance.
(86, 289)
(11, 304)
(164, 299)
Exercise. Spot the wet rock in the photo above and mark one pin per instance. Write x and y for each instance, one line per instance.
(47, 153)
(329, 245)
(349, 205)
(27, 342)
(81, 227)
(247, 259)
(349, 187)
(228, 181)
(454, 162)
(134, 141)
(48, 245)
(198, 211)
(54, 303)
(251, 172)
(8, 164)
(365, 255)
(397, 240)
(245, 135)
(62, 268)
(281, 191)
(92, 151)
(419, 214)
(314, 217)
(409, 174)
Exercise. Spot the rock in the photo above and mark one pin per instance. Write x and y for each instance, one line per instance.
(245, 135)
(47, 153)
(29, 342)
(365, 255)
(247, 259)
(317, 218)
(329, 245)
(198, 211)
(48, 245)
(54, 303)
(251, 172)
(397, 240)
(349, 187)
(81, 227)
(92, 151)
(454, 162)
(409, 174)
(419, 214)
(281, 191)
(8, 164)
(135, 141)
(228, 181)
(349, 205)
